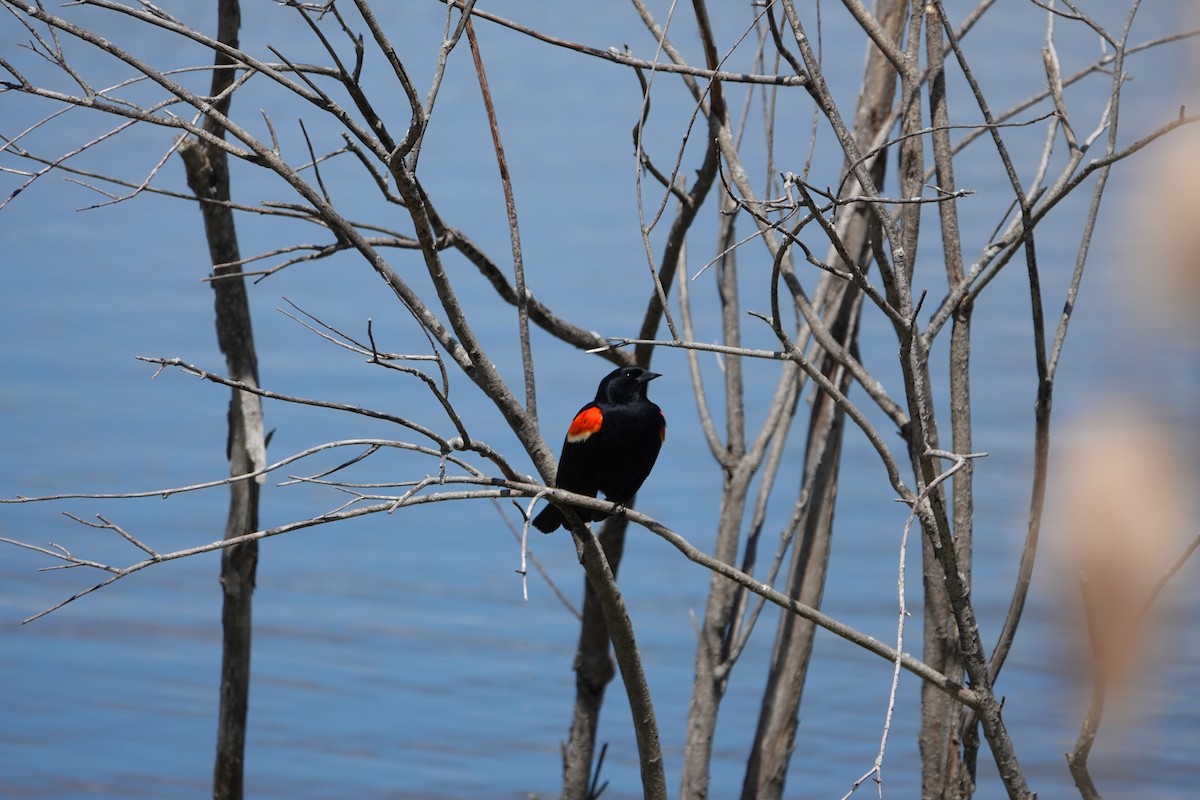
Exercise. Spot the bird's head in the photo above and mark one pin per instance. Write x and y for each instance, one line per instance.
(624, 385)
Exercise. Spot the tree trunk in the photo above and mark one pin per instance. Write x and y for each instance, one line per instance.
(594, 670)
(766, 769)
(208, 176)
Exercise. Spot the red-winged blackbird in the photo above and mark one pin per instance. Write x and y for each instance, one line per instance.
(611, 445)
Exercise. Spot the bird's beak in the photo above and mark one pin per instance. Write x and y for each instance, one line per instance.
(648, 376)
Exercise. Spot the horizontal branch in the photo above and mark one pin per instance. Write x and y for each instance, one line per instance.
(708, 347)
(618, 57)
(196, 487)
(445, 445)
(497, 488)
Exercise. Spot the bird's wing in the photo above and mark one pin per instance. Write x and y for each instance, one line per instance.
(576, 471)
(586, 422)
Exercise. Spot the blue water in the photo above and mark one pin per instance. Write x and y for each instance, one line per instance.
(394, 656)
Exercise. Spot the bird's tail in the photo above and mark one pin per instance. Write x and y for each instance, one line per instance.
(548, 520)
(551, 519)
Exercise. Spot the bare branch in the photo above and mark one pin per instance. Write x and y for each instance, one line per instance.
(620, 58)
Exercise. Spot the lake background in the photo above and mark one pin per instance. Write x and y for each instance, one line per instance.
(394, 656)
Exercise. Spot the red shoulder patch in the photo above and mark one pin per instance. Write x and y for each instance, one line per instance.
(586, 423)
(662, 432)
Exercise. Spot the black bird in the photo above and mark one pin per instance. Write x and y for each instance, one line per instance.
(611, 445)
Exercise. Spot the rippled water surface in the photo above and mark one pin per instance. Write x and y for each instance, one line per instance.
(394, 656)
